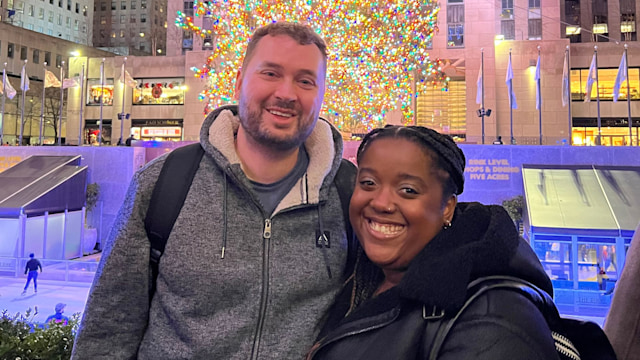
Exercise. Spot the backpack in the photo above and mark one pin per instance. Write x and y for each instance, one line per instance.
(574, 339)
(171, 190)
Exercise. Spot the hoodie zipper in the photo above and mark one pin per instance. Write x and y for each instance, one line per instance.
(264, 295)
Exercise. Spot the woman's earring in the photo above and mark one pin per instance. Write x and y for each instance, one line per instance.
(447, 224)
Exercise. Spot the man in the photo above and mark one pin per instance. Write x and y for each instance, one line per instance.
(32, 270)
(242, 275)
(58, 317)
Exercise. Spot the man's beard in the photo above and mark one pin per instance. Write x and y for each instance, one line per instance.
(251, 121)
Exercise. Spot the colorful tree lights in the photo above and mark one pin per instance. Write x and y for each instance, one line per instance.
(376, 51)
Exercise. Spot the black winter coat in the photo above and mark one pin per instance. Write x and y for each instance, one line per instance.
(500, 324)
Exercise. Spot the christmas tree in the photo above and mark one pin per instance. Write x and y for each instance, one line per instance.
(377, 52)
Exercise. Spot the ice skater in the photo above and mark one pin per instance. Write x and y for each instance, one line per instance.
(32, 268)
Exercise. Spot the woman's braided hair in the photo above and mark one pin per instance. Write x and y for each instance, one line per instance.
(448, 162)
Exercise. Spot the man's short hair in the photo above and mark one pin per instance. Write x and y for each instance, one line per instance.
(32, 255)
(303, 34)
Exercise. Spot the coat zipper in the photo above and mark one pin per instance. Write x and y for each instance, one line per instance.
(266, 236)
(328, 340)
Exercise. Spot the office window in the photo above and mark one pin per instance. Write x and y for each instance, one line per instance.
(50, 32)
(455, 23)
(47, 57)
(103, 6)
(535, 29)
(534, 3)
(122, 33)
(103, 34)
(69, 5)
(123, 19)
(59, 19)
(58, 61)
(133, 4)
(59, 3)
(143, 18)
(84, 11)
(84, 28)
(10, 49)
(507, 10)
(30, 26)
(30, 10)
(113, 34)
(68, 22)
(123, 5)
(51, 2)
(103, 19)
(41, 13)
(77, 8)
(51, 16)
(36, 56)
(143, 4)
(76, 24)
(187, 8)
(628, 27)
(23, 53)
(133, 19)
(113, 4)
(607, 79)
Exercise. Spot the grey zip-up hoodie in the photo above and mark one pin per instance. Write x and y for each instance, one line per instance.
(262, 300)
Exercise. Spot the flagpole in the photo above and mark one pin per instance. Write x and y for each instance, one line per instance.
(482, 112)
(568, 53)
(124, 90)
(82, 99)
(626, 63)
(42, 104)
(538, 84)
(599, 138)
(511, 105)
(61, 103)
(101, 101)
(4, 96)
(22, 82)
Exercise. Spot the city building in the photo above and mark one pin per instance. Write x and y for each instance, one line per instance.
(19, 46)
(136, 27)
(470, 35)
(70, 20)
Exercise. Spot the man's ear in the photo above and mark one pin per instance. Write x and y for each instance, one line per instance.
(238, 87)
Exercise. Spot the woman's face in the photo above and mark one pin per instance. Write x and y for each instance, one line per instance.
(396, 207)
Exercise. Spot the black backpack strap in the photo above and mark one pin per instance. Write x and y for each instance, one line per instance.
(167, 199)
(345, 180)
(480, 286)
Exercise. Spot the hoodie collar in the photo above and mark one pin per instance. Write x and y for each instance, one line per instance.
(324, 146)
(482, 241)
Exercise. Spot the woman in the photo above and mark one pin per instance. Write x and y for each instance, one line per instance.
(422, 251)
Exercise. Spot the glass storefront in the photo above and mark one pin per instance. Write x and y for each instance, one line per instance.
(157, 130)
(159, 91)
(94, 89)
(91, 133)
(606, 80)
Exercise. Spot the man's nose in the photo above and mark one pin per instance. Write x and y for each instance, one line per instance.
(286, 91)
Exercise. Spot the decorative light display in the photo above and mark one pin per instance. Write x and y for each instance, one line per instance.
(377, 52)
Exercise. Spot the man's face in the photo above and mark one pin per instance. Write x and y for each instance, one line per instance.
(280, 92)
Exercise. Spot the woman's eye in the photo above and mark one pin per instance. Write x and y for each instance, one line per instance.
(366, 183)
(408, 190)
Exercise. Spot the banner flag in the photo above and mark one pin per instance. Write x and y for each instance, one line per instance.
(620, 78)
(591, 78)
(509, 82)
(538, 87)
(50, 79)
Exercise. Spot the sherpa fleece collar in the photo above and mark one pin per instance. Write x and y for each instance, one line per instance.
(324, 147)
